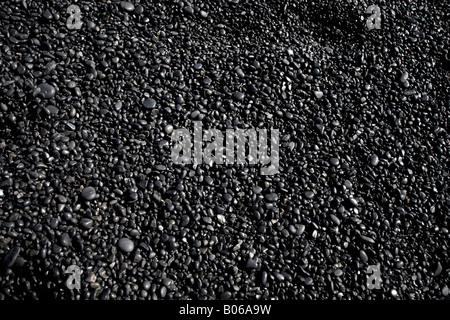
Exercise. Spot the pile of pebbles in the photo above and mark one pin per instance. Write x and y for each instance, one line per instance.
(86, 178)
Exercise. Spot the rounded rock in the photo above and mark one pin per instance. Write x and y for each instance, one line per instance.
(88, 193)
(309, 194)
(126, 245)
(272, 197)
(65, 240)
(48, 91)
(238, 96)
(334, 161)
(149, 103)
(168, 129)
(374, 160)
(127, 6)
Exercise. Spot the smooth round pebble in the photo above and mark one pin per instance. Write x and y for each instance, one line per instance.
(126, 245)
(48, 91)
(88, 193)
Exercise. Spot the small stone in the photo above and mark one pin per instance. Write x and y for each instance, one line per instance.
(126, 245)
(252, 89)
(374, 160)
(394, 293)
(320, 128)
(146, 285)
(338, 272)
(308, 281)
(7, 183)
(366, 238)
(48, 91)
(239, 96)
(11, 257)
(221, 218)
(348, 184)
(195, 114)
(207, 220)
(149, 103)
(438, 269)
(264, 277)
(292, 229)
(404, 77)
(279, 276)
(301, 228)
(257, 189)
(225, 296)
(309, 194)
(163, 291)
(184, 220)
(86, 223)
(209, 181)
(168, 129)
(64, 240)
(47, 15)
(335, 219)
(363, 256)
(189, 10)
(272, 197)
(88, 193)
(353, 202)
(251, 264)
(104, 295)
(91, 277)
(127, 6)
(227, 197)
(334, 161)
(318, 94)
(52, 109)
(139, 10)
(399, 265)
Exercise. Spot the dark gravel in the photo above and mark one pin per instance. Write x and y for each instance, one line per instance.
(86, 176)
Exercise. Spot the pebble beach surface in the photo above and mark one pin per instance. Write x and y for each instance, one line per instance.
(89, 99)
